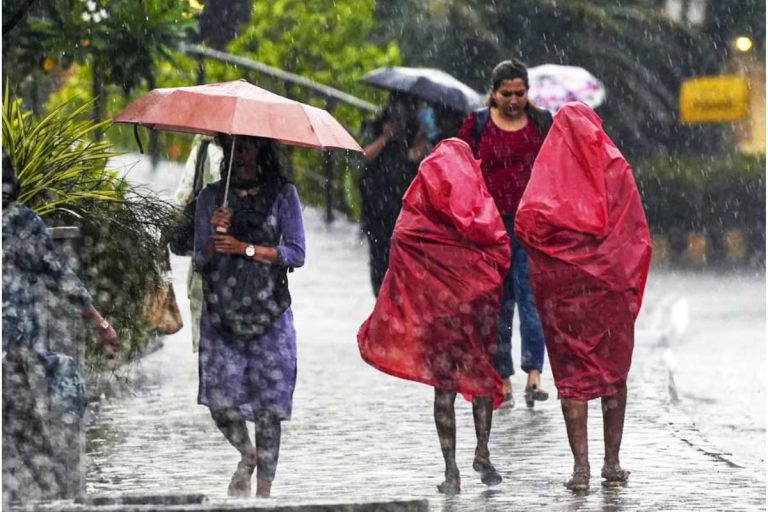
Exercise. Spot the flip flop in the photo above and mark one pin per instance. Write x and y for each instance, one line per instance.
(579, 480)
(614, 476)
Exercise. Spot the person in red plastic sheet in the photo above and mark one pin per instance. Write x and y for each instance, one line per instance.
(506, 136)
(450, 239)
(585, 229)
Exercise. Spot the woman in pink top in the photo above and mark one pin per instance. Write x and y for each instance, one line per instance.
(506, 137)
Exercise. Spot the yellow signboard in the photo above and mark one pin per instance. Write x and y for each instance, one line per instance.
(714, 99)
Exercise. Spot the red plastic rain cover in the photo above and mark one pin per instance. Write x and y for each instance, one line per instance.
(436, 315)
(583, 224)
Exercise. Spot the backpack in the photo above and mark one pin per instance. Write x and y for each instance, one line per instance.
(243, 297)
(182, 236)
(541, 117)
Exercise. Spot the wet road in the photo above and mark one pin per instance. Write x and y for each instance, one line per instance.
(358, 434)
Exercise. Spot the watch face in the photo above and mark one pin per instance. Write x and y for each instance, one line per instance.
(250, 251)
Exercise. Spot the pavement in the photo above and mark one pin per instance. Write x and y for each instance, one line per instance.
(358, 435)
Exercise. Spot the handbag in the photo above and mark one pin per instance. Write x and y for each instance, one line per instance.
(182, 236)
(163, 312)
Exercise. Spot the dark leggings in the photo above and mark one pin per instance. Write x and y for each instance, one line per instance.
(267, 432)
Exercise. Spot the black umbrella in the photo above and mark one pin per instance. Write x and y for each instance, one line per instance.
(430, 84)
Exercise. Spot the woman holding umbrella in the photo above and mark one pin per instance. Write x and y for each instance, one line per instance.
(243, 250)
(247, 337)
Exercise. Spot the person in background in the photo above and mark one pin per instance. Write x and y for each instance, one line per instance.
(29, 258)
(247, 362)
(506, 136)
(392, 159)
(201, 169)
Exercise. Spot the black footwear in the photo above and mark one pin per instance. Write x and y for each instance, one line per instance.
(488, 474)
(534, 392)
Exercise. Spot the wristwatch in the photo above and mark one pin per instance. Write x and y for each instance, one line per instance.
(250, 251)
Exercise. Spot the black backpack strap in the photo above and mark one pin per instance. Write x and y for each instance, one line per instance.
(481, 120)
(543, 120)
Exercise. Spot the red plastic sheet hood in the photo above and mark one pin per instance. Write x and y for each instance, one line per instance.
(582, 206)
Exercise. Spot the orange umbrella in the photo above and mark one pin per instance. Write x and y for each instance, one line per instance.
(238, 108)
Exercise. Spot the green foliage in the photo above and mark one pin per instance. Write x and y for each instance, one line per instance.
(64, 178)
(707, 195)
(124, 37)
(58, 167)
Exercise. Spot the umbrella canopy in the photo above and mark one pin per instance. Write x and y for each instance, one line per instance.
(552, 86)
(238, 108)
(430, 84)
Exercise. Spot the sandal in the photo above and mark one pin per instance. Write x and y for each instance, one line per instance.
(579, 480)
(488, 474)
(534, 392)
(614, 476)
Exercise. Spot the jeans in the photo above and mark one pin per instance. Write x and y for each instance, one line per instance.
(518, 290)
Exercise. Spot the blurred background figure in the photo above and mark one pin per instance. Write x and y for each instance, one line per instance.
(398, 143)
(201, 169)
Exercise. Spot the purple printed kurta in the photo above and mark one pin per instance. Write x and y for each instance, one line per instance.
(259, 373)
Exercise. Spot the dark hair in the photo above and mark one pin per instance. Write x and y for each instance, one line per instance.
(508, 70)
(267, 159)
(11, 187)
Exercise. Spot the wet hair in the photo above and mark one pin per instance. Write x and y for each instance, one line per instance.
(400, 108)
(267, 159)
(508, 70)
(11, 187)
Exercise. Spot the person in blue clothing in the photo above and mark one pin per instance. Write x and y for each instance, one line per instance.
(29, 261)
(247, 364)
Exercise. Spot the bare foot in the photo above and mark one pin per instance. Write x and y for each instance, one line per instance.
(240, 484)
(263, 488)
(488, 474)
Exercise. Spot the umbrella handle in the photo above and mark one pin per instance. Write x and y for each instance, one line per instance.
(229, 171)
(229, 175)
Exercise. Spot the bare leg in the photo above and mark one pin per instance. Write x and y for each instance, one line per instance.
(445, 421)
(614, 408)
(482, 412)
(232, 424)
(534, 378)
(575, 415)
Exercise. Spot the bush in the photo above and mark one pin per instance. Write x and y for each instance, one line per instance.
(706, 195)
(64, 179)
